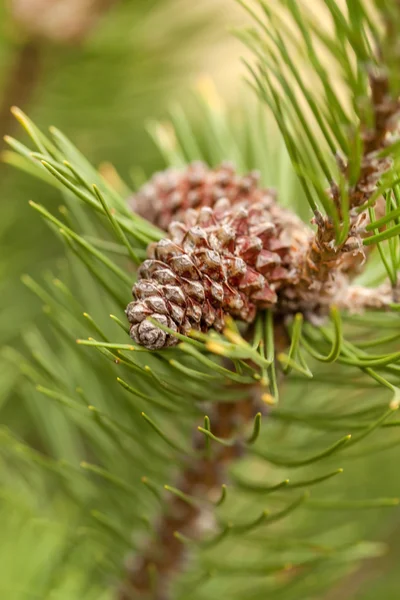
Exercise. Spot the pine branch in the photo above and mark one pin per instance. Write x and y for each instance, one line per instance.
(325, 255)
(199, 481)
(336, 251)
(198, 359)
(203, 476)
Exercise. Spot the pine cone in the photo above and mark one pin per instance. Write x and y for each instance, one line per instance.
(232, 259)
(170, 193)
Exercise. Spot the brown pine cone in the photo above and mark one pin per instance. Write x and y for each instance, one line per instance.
(232, 259)
(167, 196)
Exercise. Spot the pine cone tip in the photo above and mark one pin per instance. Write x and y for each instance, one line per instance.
(225, 260)
(147, 334)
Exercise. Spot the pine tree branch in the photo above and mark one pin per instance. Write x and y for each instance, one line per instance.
(324, 258)
(367, 55)
(153, 572)
(165, 554)
(201, 479)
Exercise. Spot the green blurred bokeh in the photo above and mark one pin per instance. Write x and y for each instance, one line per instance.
(139, 58)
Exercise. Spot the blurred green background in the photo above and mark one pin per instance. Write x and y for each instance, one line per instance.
(116, 67)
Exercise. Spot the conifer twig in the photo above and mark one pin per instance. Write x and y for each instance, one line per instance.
(324, 256)
(200, 479)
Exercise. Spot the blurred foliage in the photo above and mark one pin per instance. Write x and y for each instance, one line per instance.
(102, 91)
(66, 524)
